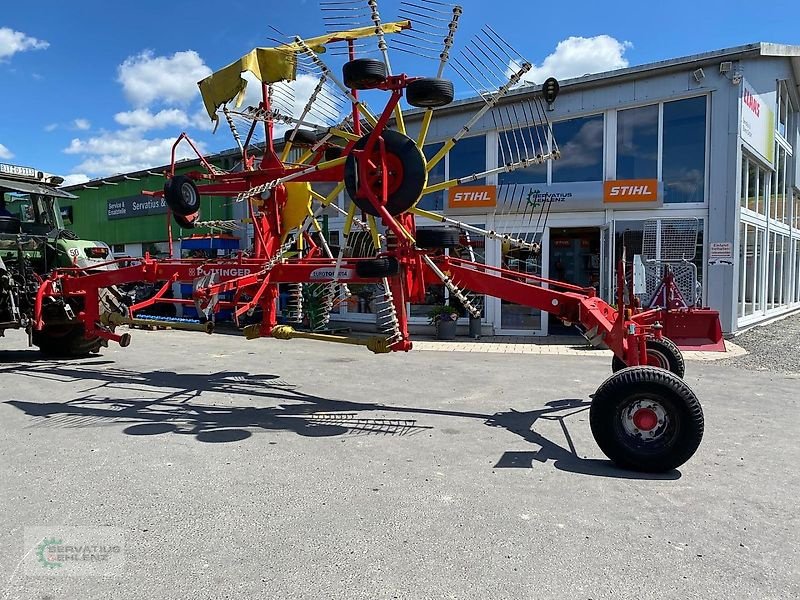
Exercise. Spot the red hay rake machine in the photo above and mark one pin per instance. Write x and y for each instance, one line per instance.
(644, 417)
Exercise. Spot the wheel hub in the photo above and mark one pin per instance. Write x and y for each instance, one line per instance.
(645, 419)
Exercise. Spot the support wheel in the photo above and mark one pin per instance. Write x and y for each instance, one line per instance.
(364, 73)
(429, 92)
(438, 237)
(662, 353)
(646, 419)
(303, 138)
(386, 266)
(65, 341)
(187, 221)
(406, 174)
(180, 194)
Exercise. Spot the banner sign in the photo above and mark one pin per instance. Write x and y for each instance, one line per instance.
(472, 196)
(758, 123)
(633, 194)
(135, 206)
(630, 190)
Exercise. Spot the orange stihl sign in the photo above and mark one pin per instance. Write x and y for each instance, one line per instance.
(472, 196)
(630, 190)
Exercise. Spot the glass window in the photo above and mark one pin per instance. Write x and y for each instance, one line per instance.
(752, 188)
(780, 210)
(434, 201)
(751, 269)
(580, 142)
(797, 270)
(517, 316)
(471, 247)
(684, 150)
(637, 143)
(784, 108)
(521, 142)
(468, 157)
(796, 210)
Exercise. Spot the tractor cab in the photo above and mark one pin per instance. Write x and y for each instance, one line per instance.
(29, 201)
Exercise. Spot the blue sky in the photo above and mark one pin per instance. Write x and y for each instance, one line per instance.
(91, 88)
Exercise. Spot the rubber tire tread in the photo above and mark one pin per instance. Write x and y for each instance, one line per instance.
(677, 364)
(678, 399)
(385, 266)
(174, 198)
(430, 92)
(364, 73)
(438, 237)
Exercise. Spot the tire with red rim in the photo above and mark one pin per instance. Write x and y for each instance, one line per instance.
(646, 419)
(661, 353)
(406, 173)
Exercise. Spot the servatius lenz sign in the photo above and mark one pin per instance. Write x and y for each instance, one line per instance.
(135, 206)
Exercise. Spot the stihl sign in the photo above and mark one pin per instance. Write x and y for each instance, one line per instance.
(472, 196)
(632, 190)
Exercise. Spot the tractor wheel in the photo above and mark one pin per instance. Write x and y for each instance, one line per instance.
(662, 353)
(302, 137)
(438, 237)
(364, 73)
(186, 221)
(378, 267)
(63, 341)
(405, 170)
(646, 419)
(181, 195)
(429, 92)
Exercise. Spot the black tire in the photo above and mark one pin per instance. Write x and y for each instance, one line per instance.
(386, 266)
(429, 92)
(635, 399)
(333, 152)
(438, 237)
(181, 195)
(405, 191)
(364, 73)
(65, 341)
(302, 137)
(186, 221)
(663, 354)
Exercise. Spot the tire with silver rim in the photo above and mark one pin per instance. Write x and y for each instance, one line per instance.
(646, 419)
(181, 195)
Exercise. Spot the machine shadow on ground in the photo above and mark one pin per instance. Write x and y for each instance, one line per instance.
(165, 402)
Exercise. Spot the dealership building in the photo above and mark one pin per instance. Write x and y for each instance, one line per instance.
(689, 163)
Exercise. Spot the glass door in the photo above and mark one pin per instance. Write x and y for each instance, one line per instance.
(516, 319)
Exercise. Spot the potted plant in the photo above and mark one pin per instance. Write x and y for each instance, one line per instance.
(444, 318)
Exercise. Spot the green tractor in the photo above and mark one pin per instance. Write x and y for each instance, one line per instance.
(33, 241)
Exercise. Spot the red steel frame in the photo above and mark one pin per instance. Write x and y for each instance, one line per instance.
(253, 279)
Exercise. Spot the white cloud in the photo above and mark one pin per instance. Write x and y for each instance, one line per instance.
(144, 120)
(12, 42)
(51, 127)
(82, 124)
(75, 179)
(123, 151)
(578, 56)
(5, 152)
(146, 78)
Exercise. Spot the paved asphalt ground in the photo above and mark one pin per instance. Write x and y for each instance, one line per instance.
(268, 469)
